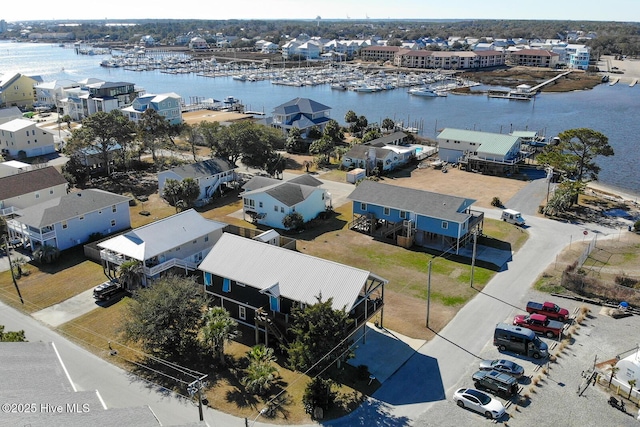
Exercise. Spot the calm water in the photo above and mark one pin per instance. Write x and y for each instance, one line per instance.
(612, 110)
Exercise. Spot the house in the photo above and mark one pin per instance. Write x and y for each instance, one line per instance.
(36, 372)
(93, 158)
(211, 175)
(48, 94)
(259, 284)
(268, 201)
(168, 106)
(492, 153)
(21, 138)
(198, 43)
(181, 240)
(301, 113)
(23, 189)
(16, 90)
(9, 113)
(410, 216)
(95, 95)
(385, 153)
(71, 219)
(12, 167)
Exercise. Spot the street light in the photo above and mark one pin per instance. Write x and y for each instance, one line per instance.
(262, 412)
(428, 293)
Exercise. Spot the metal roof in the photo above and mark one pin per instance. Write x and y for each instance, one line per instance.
(425, 203)
(68, 206)
(16, 125)
(299, 277)
(300, 105)
(495, 143)
(160, 236)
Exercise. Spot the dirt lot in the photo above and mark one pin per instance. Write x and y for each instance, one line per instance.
(195, 117)
(512, 77)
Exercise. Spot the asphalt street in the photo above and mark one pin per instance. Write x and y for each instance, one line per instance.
(404, 398)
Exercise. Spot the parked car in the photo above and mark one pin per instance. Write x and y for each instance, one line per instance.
(496, 382)
(539, 323)
(549, 309)
(106, 290)
(504, 366)
(479, 401)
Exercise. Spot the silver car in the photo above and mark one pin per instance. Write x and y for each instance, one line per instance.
(504, 366)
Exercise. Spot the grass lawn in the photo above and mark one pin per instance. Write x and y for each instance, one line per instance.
(49, 285)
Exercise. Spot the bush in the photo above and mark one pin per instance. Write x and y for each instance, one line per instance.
(496, 202)
(318, 394)
(636, 225)
(626, 281)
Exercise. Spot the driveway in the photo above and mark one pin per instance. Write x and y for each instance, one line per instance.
(67, 310)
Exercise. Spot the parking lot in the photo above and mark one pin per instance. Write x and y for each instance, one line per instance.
(555, 399)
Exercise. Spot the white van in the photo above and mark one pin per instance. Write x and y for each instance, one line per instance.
(512, 217)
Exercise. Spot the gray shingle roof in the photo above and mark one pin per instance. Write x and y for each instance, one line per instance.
(306, 179)
(203, 169)
(290, 194)
(28, 182)
(32, 373)
(359, 151)
(425, 203)
(68, 206)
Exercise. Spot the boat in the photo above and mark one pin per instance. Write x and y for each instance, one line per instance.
(338, 86)
(240, 77)
(423, 91)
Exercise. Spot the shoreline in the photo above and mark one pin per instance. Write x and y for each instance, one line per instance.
(614, 192)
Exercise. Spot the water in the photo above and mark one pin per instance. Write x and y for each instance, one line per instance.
(611, 110)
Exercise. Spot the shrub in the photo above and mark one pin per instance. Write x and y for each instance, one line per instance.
(318, 394)
(496, 202)
(628, 282)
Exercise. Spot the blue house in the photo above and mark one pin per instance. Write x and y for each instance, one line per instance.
(71, 219)
(301, 113)
(408, 216)
(267, 201)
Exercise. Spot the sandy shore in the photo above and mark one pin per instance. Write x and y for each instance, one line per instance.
(625, 196)
(626, 70)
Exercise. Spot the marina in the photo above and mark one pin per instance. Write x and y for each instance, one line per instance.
(604, 108)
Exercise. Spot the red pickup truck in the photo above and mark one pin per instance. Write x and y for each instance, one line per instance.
(549, 309)
(539, 323)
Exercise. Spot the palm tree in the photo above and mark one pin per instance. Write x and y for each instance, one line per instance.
(260, 353)
(218, 329)
(46, 254)
(130, 273)
(259, 377)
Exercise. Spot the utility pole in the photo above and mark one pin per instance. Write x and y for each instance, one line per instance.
(473, 256)
(13, 276)
(428, 293)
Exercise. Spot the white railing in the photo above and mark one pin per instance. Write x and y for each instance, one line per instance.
(8, 211)
(173, 262)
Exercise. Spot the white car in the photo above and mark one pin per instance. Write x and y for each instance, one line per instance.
(480, 402)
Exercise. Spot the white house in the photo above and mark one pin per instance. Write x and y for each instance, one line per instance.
(181, 240)
(12, 167)
(198, 43)
(267, 201)
(210, 175)
(22, 138)
(70, 220)
(168, 105)
(9, 113)
(455, 143)
(48, 94)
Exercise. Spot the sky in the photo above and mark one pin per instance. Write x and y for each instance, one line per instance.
(574, 10)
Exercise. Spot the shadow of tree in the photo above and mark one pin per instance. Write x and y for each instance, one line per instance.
(371, 413)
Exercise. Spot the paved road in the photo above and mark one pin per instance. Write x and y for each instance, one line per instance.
(405, 397)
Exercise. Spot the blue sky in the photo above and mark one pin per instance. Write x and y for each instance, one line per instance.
(612, 10)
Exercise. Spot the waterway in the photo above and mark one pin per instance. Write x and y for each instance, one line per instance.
(612, 110)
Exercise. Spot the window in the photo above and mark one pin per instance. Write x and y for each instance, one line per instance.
(113, 222)
(260, 204)
(274, 303)
(275, 208)
(50, 191)
(37, 195)
(250, 202)
(226, 285)
(363, 206)
(81, 217)
(281, 209)
(403, 214)
(206, 238)
(113, 208)
(64, 225)
(195, 241)
(387, 211)
(242, 313)
(445, 225)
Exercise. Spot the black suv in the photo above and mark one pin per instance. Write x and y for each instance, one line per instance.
(106, 290)
(496, 382)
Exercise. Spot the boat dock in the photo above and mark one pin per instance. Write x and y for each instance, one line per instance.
(633, 82)
(551, 80)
